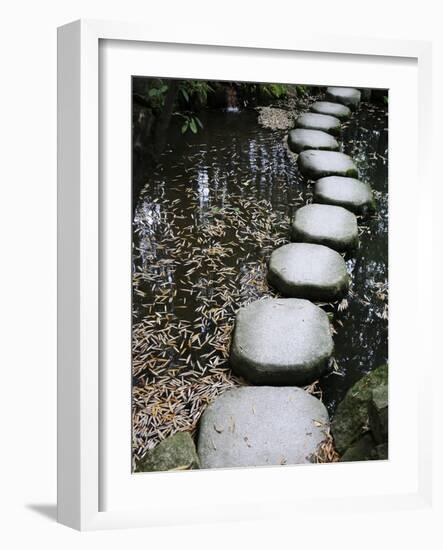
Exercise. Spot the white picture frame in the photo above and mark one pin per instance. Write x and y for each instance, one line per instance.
(82, 401)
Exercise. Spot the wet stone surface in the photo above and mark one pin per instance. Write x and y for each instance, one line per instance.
(311, 271)
(315, 121)
(332, 226)
(318, 164)
(261, 426)
(281, 342)
(353, 194)
(347, 96)
(332, 109)
(301, 139)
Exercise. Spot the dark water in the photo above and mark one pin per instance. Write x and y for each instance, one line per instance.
(205, 224)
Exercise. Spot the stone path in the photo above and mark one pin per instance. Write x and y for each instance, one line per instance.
(333, 109)
(350, 193)
(314, 121)
(302, 139)
(311, 271)
(346, 96)
(261, 426)
(288, 341)
(281, 341)
(315, 164)
(333, 226)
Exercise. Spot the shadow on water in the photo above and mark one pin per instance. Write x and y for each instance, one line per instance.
(210, 215)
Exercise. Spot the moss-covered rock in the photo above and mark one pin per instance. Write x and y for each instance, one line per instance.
(362, 449)
(365, 448)
(382, 451)
(177, 452)
(378, 414)
(351, 417)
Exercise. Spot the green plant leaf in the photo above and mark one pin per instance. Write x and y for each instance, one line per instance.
(185, 126)
(193, 125)
(185, 94)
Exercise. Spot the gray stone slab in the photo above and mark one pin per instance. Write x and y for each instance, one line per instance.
(261, 426)
(314, 121)
(332, 109)
(301, 139)
(332, 226)
(353, 194)
(346, 96)
(281, 342)
(319, 164)
(311, 271)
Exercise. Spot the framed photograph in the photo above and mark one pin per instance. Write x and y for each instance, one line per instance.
(240, 242)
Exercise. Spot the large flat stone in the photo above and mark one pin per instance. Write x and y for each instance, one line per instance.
(319, 164)
(314, 121)
(353, 194)
(261, 426)
(332, 109)
(301, 139)
(346, 96)
(311, 271)
(332, 226)
(281, 342)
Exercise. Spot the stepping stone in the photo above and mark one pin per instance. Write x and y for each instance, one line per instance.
(301, 139)
(314, 121)
(261, 426)
(346, 96)
(281, 342)
(333, 109)
(353, 194)
(332, 226)
(311, 271)
(318, 164)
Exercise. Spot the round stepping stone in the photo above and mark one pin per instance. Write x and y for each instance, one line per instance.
(332, 226)
(318, 164)
(314, 121)
(353, 194)
(312, 271)
(281, 342)
(301, 139)
(346, 96)
(261, 426)
(333, 109)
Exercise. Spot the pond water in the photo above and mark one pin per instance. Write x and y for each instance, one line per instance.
(205, 224)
